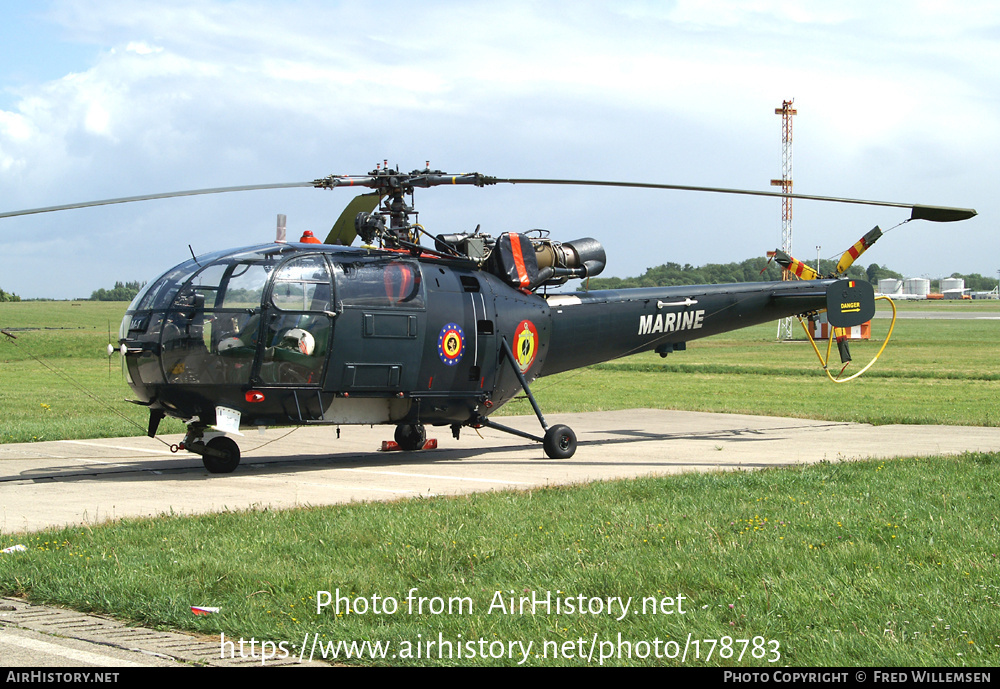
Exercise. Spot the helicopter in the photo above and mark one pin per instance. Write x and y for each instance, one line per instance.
(403, 333)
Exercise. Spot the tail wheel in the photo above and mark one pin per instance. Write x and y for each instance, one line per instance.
(559, 442)
(410, 437)
(222, 455)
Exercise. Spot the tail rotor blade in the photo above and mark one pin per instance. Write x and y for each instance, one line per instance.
(860, 247)
(793, 265)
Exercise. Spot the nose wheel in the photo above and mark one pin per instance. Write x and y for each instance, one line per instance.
(410, 437)
(221, 455)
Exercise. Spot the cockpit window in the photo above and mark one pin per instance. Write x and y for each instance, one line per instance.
(207, 320)
(210, 331)
(303, 285)
(161, 292)
(207, 282)
(246, 286)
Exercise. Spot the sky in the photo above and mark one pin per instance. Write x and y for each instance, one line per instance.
(896, 101)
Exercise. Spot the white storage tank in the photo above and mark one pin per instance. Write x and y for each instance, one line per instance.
(952, 284)
(919, 286)
(890, 286)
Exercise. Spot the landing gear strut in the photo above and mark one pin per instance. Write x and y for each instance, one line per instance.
(559, 441)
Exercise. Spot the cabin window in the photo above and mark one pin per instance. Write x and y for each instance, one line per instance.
(386, 284)
(299, 329)
(303, 285)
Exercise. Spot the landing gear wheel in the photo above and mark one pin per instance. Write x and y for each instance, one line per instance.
(227, 459)
(410, 437)
(559, 442)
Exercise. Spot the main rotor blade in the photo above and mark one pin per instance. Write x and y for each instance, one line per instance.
(395, 180)
(917, 211)
(150, 197)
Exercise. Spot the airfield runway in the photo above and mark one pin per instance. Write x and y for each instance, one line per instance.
(70, 482)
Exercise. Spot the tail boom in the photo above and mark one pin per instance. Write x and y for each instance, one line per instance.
(592, 327)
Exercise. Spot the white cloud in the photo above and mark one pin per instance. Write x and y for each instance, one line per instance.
(186, 94)
(142, 48)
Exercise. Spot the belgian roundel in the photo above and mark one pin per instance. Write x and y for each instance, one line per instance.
(451, 344)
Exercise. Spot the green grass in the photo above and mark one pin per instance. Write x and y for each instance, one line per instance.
(886, 563)
(55, 382)
(949, 304)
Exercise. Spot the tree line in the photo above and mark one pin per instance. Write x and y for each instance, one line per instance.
(750, 270)
(122, 291)
(758, 270)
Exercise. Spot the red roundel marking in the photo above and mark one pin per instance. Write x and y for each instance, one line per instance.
(525, 344)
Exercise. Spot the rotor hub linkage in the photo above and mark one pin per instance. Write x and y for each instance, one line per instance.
(393, 185)
(389, 181)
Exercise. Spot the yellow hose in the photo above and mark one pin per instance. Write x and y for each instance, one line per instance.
(829, 346)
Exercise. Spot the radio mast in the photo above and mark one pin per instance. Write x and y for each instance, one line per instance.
(786, 111)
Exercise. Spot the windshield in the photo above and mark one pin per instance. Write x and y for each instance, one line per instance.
(237, 317)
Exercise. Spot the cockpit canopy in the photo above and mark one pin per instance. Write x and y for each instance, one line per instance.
(263, 314)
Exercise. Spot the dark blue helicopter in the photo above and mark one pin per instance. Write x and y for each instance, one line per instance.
(396, 332)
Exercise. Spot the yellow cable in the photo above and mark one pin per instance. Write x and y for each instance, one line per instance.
(829, 346)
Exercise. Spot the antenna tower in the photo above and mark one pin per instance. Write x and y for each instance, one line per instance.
(786, 111)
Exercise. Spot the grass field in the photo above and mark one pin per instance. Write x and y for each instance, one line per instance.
(891, 563)
(54, 378)
(884, 563)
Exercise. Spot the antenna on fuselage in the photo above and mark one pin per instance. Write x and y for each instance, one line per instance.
(280, 235)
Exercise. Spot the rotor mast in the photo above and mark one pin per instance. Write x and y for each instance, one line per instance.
(786, 111)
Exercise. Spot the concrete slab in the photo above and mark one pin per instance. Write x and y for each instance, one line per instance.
(39, 636)
(61, 483)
